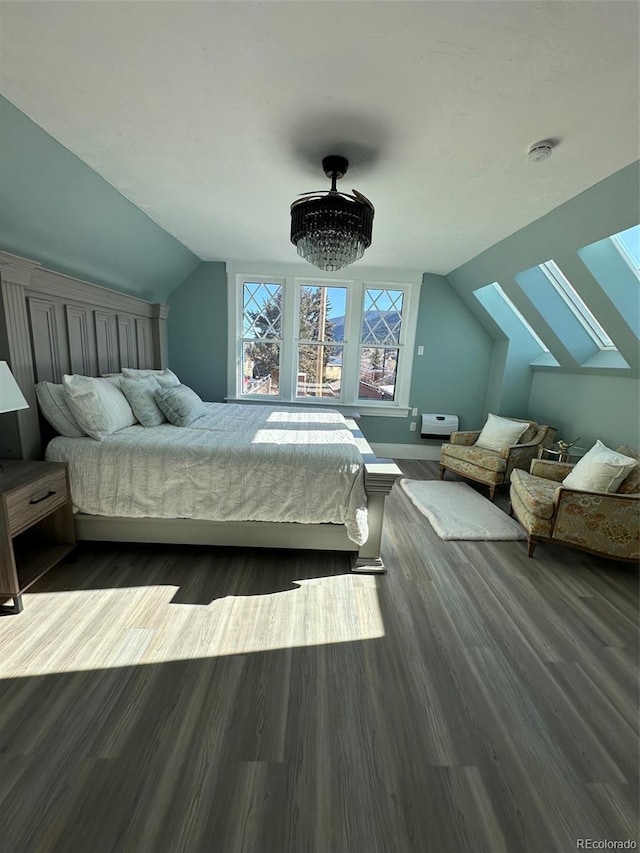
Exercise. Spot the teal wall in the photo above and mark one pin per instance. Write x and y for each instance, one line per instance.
(56, 210)
(604, 407)
(197, 331)
(579, 399)
(452, 375)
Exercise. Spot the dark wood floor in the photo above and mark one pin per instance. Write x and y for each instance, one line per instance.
(160, 699)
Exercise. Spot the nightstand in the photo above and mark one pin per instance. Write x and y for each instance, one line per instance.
(36, 524)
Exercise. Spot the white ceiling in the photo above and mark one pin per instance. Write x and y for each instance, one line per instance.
(212, 116)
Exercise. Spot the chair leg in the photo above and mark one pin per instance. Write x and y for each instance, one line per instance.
(442, 470)
(492, 492)
(531, 545)
(510, 509)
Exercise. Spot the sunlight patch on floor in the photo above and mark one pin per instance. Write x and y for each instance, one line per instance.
(109, 628)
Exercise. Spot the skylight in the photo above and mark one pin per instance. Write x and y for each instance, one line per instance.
(628, 244)
(520, 316)
(569, 294)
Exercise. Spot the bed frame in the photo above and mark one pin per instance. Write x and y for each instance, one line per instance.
(51, 324)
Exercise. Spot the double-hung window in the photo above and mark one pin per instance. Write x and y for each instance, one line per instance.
(322, 341)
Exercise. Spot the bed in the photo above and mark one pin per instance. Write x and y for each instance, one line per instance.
(302, 490)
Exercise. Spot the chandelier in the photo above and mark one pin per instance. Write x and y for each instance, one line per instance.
(331, 229)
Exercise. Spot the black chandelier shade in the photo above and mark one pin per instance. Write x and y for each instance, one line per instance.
(331, 229)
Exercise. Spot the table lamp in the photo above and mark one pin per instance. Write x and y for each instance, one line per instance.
(11, 397)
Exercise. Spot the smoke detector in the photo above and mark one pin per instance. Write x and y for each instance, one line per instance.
(540, 151)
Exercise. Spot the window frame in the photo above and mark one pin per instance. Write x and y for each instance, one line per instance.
(626, 254)
(291, 280)
(577, 305)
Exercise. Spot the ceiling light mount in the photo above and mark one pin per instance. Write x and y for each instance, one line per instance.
(540, 151)
(331, 229)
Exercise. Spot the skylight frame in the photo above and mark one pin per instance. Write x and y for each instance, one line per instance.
(626, 255)
(576, 305)
(520, 317)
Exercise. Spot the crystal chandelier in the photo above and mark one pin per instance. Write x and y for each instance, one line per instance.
(331, 229)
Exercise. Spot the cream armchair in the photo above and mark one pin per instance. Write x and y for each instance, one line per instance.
(493, 467)
(602, 523)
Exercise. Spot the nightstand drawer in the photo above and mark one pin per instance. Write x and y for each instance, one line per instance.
(27, 504)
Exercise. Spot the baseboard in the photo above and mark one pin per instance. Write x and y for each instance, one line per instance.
(407, 451)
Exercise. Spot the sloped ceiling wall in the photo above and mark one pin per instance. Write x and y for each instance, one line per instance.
(609, 207)
(59, 212)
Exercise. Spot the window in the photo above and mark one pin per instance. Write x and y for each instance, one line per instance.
(628, 244)
(523, 321)
(261, 337)
(579, 309)
(339, 342)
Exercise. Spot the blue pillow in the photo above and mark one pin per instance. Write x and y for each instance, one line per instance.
(180, 404)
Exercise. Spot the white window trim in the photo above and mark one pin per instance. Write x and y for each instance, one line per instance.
(626, 255)
(577, 306)
(527, 325)
(290, 277)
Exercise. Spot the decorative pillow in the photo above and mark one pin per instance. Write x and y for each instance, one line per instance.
(600, 470)
(499, 433)
(180, 404)
(114, 378)
(141, 396)
(166, 378)
(54, 407)
(97, 405)
(631, 484)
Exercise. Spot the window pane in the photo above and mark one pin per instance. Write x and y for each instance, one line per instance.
(261, 368)
(319, 370)
(378, 370)
(575, 302)
(382, 317)
(322, 311)
(262, 310)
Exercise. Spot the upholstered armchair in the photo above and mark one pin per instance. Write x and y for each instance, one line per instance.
(492, 467)
(603, 523)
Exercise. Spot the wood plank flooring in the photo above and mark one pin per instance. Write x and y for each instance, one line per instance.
(163, 699)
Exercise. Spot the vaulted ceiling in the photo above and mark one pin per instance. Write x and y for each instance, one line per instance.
(211, 116)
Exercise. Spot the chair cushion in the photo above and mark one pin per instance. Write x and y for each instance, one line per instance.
(474, 455)
(535, 493)
(533, 524)
(631, 485)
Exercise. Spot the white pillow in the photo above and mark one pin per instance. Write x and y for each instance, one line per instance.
(141, 396)
(55, 409)
(166, 378)
(599, 470)
(499, 433)
(114, 378)
(97, 405)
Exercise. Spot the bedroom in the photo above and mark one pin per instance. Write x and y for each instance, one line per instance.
(108, 91)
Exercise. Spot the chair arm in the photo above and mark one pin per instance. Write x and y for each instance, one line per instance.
(572, 496)
(467, 438)
(603, 522)
(550, 469)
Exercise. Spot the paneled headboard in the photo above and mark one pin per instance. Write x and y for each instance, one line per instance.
(51, 324)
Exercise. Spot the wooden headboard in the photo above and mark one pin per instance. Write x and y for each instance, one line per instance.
(51, 324)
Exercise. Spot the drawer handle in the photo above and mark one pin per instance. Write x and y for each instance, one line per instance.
(49, 494)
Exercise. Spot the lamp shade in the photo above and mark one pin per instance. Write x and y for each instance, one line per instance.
(11, 398)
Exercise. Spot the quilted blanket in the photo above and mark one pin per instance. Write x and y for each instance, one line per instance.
(235, 463)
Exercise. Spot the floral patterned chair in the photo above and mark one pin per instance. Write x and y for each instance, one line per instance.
(604, 523)
(493, 467)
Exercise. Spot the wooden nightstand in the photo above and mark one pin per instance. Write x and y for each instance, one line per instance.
(36, 524)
